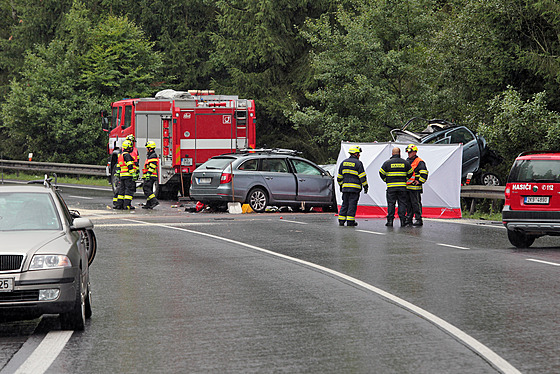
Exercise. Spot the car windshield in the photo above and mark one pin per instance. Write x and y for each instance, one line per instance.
(217, 163)
(27, 211)
(535, 171)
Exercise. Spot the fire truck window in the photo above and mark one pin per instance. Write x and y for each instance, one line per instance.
(119, 118)
(127, 116)
(115, 117)
(250, 165)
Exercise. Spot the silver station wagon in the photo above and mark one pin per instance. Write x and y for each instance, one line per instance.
(44, 257)
(263, 178)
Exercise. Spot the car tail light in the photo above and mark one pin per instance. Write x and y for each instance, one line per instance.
(508, 193)
(226, 178)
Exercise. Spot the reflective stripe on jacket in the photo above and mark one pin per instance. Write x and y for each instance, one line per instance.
(151, 165)
(351, 175)
(395, 172)
(127, 165)
(420, 173)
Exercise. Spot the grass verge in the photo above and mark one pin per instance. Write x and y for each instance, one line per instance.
(85, 180)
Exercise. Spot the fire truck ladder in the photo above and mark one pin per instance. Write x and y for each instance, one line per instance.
(241, 125)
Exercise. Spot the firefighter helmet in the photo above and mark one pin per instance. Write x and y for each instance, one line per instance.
(131, 138)
(355, 149)
(411, 148)
(150, 144)
(127, 145)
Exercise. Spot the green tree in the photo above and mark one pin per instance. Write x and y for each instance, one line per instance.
(516, 124)
(52, 108)
(119, 60)
(368, 60)
(258, 53)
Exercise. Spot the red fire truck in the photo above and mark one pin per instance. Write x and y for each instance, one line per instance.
(187, 127)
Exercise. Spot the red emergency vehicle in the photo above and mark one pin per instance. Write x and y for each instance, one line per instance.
(188, 128)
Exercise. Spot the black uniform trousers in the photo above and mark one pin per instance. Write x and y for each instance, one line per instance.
(349, 206)
(148, 188)
(395, 195)
(414, 205)
(126, 190)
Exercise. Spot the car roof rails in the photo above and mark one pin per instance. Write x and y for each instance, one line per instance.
(269, 151)
(525, 153)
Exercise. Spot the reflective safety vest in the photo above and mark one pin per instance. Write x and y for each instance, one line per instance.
(127, 165)
(351, 175)
(420, 174)
(395, 172)
(151, 165)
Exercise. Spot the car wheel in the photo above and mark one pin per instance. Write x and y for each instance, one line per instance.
(75, 319)
(490, 179)
(91, 245)
(520, 239)
(258, 200)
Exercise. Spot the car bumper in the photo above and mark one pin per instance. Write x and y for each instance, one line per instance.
(24, 299)
(532, 222)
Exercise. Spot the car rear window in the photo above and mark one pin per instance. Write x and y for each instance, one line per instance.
(28, 211)
(535, 171)
(217, 163)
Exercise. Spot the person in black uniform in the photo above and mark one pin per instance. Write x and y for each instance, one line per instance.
(127, 185)
(150, 175)
(414, 186)
(395, 172)
(351, 179)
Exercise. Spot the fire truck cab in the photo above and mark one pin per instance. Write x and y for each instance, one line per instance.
(187, 127)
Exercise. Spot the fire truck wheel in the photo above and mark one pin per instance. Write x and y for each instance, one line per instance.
(114, 179)
(258, 199)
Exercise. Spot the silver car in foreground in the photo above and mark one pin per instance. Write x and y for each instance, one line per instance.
(263, 178)
(44, 257)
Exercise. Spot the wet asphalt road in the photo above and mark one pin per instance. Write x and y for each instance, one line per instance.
(169, 299)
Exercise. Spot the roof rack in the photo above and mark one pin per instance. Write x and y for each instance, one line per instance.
(47, 181)
(525, 153)
(269, 151)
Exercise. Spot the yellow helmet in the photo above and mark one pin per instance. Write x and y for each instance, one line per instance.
(150, 145)
(131, 138)
(127, 145)
(355, 149)
(411, 148)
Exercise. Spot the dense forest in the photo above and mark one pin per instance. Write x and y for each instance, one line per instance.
(321, 71)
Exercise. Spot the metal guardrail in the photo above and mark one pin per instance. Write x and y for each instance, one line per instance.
(483, 192)
(51, 167)
(471, 191)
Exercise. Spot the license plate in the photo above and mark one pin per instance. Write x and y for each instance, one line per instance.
(186, 161)
(204, 180)
(536, 199)
(6, 284)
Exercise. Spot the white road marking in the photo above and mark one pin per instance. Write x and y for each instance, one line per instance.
(543, 262)
(287, 220)
(372, 232)
(486, 353)
(452, 246)
(45, 354)
(81, 197)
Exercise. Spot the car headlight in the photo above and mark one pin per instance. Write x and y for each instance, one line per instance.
(41, 262)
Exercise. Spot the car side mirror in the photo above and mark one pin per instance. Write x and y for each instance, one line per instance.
(81, 224)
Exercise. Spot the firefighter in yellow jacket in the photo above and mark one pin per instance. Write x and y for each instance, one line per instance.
(127, 185)
(351, 178)
(414, 186)
(150, 175)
